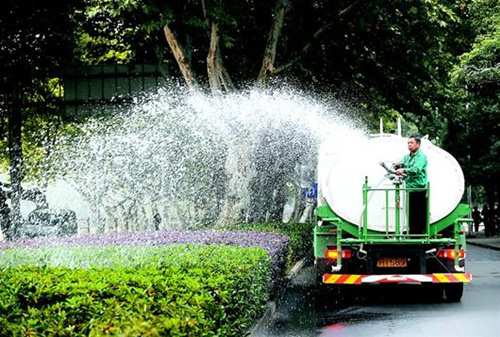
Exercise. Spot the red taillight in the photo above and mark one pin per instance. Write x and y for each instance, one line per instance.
(333, 254)
(450, 254)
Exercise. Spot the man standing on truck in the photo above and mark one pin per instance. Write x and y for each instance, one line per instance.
(414, 167)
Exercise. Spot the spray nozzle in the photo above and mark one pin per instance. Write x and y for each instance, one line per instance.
(389, 170)
(391, 173)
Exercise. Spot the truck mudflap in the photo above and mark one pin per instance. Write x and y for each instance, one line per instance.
(397, 278)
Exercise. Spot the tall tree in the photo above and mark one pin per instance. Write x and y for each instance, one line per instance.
(35, 43)
(395, 54)
(391, 57)
(476, 81)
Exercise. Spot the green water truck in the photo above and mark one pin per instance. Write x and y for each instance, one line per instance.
(363, 236)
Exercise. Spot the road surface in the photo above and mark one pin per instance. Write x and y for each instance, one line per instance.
(395, 311)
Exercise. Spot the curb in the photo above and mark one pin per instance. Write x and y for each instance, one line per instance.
(482, 245)
(259, 326)
(256, 330)
(295, 269)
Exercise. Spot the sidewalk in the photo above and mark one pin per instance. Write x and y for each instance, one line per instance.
(482, 241)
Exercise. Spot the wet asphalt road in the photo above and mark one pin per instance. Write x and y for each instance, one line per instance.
(393, 311)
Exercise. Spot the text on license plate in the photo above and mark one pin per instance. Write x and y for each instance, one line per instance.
(391, 262)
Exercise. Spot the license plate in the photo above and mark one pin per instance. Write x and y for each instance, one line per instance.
(392, 262)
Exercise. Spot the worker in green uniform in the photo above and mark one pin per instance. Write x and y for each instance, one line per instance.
(414, 168)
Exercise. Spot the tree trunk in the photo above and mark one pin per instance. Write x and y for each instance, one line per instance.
(224, 77)
(122, 218)
(181, 58)
(218, 75)
(307, 216)
(213, 76)
(268, 66)
(132, 217)
(111, 222)
(16, 168)
(239, 174)
(298, 206)
(282, 7)
(4, 213)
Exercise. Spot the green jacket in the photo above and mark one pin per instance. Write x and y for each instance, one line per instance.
(415, 165)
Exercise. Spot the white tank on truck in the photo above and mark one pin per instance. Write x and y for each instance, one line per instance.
(343, 166)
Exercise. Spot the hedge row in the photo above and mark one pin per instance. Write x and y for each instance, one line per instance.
(275, 243)
(175, 290)
(299, 234)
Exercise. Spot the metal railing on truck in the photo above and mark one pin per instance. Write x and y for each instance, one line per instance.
(331, 227)
(363, 235)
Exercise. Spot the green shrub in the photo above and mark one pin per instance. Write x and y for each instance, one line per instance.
(176, 290)
(300, 234)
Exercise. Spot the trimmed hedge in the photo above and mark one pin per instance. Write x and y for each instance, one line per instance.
(175, 290)
(300, 235)
(275, 243)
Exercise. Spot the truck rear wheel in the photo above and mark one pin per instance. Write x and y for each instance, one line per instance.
(454, 292)
(433, 292)
(320, 268)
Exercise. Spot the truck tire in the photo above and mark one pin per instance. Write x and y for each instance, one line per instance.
(433, 292)
(320, 268)
(454, 292)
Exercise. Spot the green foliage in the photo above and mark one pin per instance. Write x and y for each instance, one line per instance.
(484, 16)
(128, 31)
(474, 121)
(479, 68)
(104, 37)
(389, 58)
(37, 40)
(156, 291)
(300, 235)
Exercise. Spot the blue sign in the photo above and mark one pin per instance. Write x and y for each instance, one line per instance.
(310, 192)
